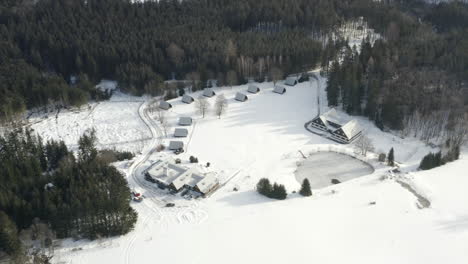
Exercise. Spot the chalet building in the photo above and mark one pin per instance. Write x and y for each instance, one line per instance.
(339, 127)
(253, 89)
(291, 80)
(185, 121)
(241, 97)
(176, 145)
(180, 132)
(168, 175)
(187, 99)
(165, 105)
(208, 92)
(279, 89)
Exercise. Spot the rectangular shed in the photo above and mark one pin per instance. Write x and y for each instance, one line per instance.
(180, 132)
(176, 145)
(241, 97)
(253, 89)
(279, 89)
(185, 121)
(187, 99)
(208, 92)
(165, 105)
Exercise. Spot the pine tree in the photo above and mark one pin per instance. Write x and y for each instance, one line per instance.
(391, 158)
(264, 187)
(305, 188)
(9, 241)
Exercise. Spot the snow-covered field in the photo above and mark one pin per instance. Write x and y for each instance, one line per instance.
(370, 219)
(116, 122)
(321, 167)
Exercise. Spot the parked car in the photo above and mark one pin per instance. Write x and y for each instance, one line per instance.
(170, 205)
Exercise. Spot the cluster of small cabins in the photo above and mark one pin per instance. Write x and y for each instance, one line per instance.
(168, 175)
(338, 127)
(178, 146)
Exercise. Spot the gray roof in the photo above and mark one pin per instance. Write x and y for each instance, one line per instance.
(279, 89)
(164, 105)
(208, 92)
(187, 99)
(253, 89)
(241, 97)
(175, 145)
(291, 80)
(351, 129)
(180, 132)
(185, 121)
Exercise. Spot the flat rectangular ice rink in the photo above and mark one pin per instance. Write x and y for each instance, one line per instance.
(321, 167)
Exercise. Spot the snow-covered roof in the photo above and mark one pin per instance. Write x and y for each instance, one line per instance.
(185, 121)
(335, 117)
(164, 105)
(351, 129)
(187, 99)
(180, 132)
(194, 179)
(253, 88)
(207, 183)
(208, 92)
(291, 80)
(182, 179)
(241, 97)
(106, 85)
(175, 145)
(279, 89)
(165, 171)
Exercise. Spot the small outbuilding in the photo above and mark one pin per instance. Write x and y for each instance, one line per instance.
(187, 99)
(180, 132)
(279, 89)
(253, 89)
(241, 97)
(208, 92)
(176, 145)
(291, 80)
(165, 105)
(185, 121)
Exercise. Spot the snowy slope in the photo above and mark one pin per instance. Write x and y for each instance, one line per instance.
(338, 224)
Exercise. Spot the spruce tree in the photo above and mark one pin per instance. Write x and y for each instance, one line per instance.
(305, 188)
(391, 158)
(264, 187)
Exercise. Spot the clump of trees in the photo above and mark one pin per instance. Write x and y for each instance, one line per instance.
(275, 191)
(44, 183)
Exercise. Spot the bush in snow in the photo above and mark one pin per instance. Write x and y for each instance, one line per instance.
(160, 148)
(178, 161)
(277, 191)
(193, 159)
(305, 188)
(335, 181)
(382, 157)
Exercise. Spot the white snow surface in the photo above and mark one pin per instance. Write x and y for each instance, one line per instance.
(116, 122)
(261, 138)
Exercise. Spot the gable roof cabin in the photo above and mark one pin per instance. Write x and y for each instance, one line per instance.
(207, 184)
(348, 132)
(180, 132)
(291, 80)
(241, 97)
(208, 92)
(330, 120)
(279, 89)
(176, 145)
(164, 172)
(106, 86)
(165, 105)
(185, 121)
(181, 180)
(253, 89)
(187, 99)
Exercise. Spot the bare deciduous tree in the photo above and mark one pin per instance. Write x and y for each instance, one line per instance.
(221, 105)
(165, 125)
(364, 144)
(275, 74)
(231, 78)
(202, 106)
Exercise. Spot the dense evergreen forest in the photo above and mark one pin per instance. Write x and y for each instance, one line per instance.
(79, 196)
(417, 71)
